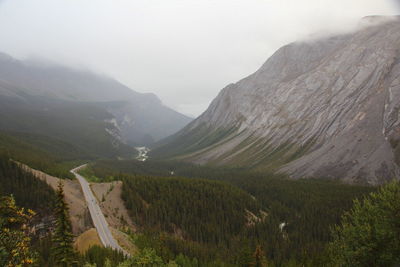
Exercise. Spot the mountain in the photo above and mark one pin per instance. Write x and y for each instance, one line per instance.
(54, 135)
(140, 118)
(80, 125)
(321, 108)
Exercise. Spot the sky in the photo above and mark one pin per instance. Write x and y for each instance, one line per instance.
(184, 51)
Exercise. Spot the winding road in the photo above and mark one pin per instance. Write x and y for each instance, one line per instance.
(97, 215)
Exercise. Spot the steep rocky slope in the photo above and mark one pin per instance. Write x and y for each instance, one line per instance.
(321, 108)
(141, 118)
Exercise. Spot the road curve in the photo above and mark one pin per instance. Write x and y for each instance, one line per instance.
(97, 215)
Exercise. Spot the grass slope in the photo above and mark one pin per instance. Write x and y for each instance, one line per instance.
(186, 142)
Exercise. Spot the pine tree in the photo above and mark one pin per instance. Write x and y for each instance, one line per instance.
(369, 235)
(63, 251)
(245, 256)
(145, 258)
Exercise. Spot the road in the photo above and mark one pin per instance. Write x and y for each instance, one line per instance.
(97, 215)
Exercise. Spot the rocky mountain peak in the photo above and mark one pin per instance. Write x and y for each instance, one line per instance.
(322, 108)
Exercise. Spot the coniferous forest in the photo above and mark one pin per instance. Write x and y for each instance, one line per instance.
(290, 221)
(24, 202)
(28, 191)
(210, 217)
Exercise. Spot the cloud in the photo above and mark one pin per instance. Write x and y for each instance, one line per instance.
(185, 51)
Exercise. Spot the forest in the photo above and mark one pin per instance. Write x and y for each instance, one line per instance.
(28, 191)
(291, 222)
(227, 217)
(26, 200)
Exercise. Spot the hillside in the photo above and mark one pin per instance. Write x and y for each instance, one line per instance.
(141, 118)
(322, 108)
(48, 133)
(27, 190)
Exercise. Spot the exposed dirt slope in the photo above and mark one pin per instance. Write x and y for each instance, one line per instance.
(79, 214)
(113, 208)
(109, 197)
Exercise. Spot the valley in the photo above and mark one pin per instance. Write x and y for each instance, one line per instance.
(297, 164)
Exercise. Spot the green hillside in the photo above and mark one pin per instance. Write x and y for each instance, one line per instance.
(187, 141)
(81, 124)
(42, 152)
(55, 135)
(28, 191)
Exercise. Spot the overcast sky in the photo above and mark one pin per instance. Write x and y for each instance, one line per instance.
(184, 51)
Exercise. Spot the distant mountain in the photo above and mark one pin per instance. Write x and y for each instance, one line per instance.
(323, 108)
(140, 118)
(83, 126)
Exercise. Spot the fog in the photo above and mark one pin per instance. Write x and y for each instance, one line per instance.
(184, 51)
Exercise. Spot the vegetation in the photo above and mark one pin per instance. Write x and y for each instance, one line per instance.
(58, 137)
(100, 257)
(183, 143)
(187, 143)
(219, 217)
(91, 176)
(298, 214)
(82, 125)
(63, 251)
(205, 211)
(19, 246)
(301, 214)
(14, 243)
(369, 234)
(106, 169)
(28, 191)
(40, 152)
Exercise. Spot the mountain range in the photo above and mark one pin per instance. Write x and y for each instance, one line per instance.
(135, 118)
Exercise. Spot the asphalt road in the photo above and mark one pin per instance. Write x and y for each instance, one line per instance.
(97, 215)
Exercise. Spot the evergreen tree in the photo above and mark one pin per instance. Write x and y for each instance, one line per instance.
(103, 257)
(63, 251)
(245, 256)
(145, 258)
(370, 233)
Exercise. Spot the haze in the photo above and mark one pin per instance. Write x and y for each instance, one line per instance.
(184, 51)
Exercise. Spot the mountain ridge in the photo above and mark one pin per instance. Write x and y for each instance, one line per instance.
(141, 116)
(321, 108)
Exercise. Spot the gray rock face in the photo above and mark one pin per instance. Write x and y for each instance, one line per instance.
(323, 108)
